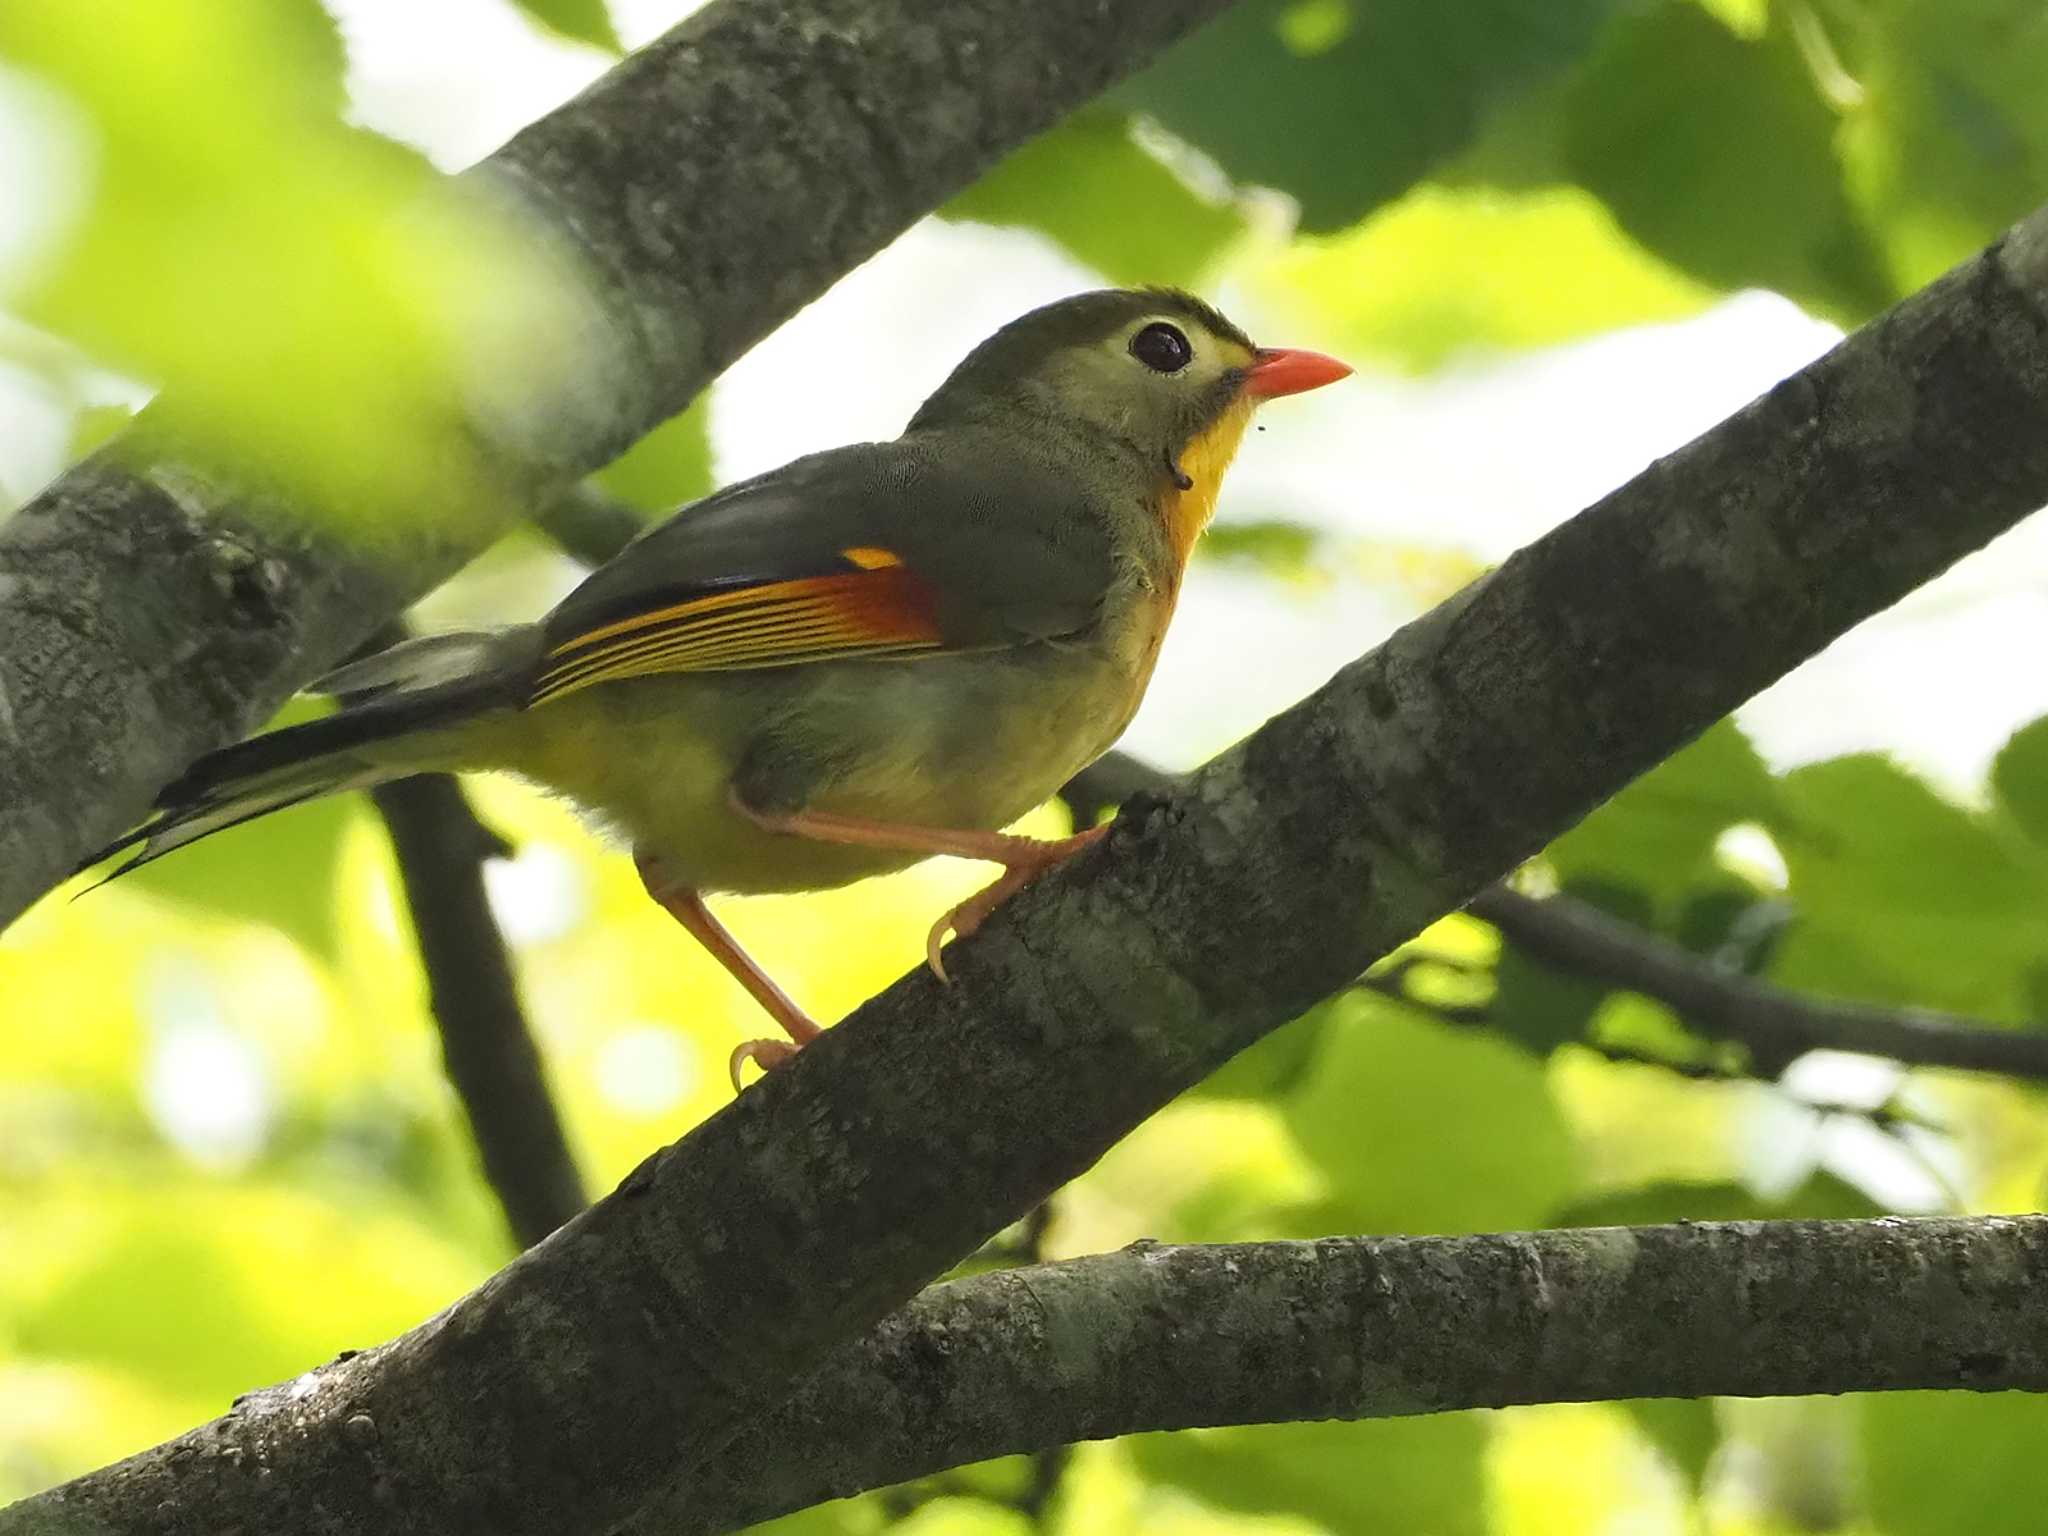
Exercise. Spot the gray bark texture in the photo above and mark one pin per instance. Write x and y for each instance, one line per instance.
(707, 188)
(1156, 1337)
(609, 1366)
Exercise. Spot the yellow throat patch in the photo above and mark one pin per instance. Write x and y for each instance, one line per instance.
(1202, 464)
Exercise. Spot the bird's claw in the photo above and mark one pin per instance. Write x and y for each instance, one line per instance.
(768, 1055)
(1018, 872)
(961, 921)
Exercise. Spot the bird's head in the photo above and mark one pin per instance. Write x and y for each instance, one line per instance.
(1155, 376)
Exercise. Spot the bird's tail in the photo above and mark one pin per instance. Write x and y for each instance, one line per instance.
(398, 718)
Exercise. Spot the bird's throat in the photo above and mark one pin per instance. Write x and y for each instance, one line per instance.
(1202, 463)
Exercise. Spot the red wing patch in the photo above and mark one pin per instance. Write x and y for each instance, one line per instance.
(869, 612)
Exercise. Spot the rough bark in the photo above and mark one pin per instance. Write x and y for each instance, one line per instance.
(709, 186)
(612, 1362)
(1157, 1337)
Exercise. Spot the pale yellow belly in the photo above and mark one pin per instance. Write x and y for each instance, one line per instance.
(969, 741)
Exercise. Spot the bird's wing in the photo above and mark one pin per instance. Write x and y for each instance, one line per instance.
(889, 549)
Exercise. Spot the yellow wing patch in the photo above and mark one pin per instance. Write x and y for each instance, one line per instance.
(869, 558)
(871, 611)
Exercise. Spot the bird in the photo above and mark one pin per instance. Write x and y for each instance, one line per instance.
(875, 654)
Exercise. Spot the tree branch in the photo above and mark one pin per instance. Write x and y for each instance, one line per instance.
(714, 182)
(589, 525)
(614, 1362)
(486, 1046)
(1157, 1337)
(1774, 1024)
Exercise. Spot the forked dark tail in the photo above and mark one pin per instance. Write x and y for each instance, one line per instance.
(419, 686)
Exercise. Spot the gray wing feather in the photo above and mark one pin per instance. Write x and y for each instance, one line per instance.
(1008, 556)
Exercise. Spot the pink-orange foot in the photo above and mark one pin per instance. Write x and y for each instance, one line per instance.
(1023, 859)
(686, 906)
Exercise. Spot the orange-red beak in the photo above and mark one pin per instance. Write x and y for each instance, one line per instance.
(1289, 371)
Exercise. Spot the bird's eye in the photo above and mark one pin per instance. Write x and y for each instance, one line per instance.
(1162, 348)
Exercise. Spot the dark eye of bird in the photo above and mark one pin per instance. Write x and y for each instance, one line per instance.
(1162, 348)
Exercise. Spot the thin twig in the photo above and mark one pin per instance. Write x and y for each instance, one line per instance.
(1776, 1026)
(485, 1042)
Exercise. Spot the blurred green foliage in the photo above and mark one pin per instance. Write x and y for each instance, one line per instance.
(1345, 105)
(239, 233)
(667, 467)
(229, 1152)
(1446, 269)
(586, 21)
(1090, 186)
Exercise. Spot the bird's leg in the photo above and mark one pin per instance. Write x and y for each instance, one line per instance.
(1023, 859)
(687, 907)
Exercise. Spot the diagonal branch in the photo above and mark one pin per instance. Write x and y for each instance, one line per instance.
(613, 1363)
(1155, 1337)
(714, 183)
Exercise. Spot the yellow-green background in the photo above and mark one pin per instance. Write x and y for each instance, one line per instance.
(226, 1150)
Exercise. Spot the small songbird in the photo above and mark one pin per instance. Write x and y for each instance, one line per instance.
(867, 657)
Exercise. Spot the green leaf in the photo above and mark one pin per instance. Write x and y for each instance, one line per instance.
(1272, 1066)
(239, 234)
(1658, 835)
(1718, 153)
(1724, 917)
(1345, 104)
(1902, 897)
(298, 846)
(1822, 1197)
(1090, 186)
(214, 1288)
(1684, 1429)
(1273, 546)
(1721, 918)
(965, 1517)
(586, 21)
(1745, 18)
(1945, 124)
(2019, 779)
(1543, 1006)
(667, 467)
(321, 57)
(94, 427)
(1420, 1127)
(1447, 270)
(1941, 1463)
(859, 1516)
(1422, 1475)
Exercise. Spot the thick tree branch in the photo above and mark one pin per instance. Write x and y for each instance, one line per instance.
(713, 183)
(613, 1363)
(486, 1046)
(1157, 1337)
(1774, 1024)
